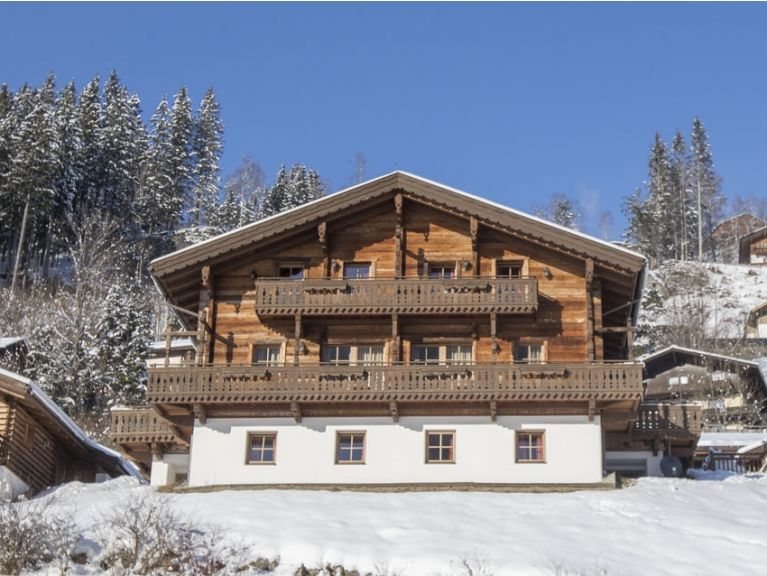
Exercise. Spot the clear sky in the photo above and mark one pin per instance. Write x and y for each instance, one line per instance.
(512, 102)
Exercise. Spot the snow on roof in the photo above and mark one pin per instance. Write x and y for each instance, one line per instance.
(753, 446)
(54, 410)
(718, 439)
(763, 368)
(7, 342)
(426, 181)
(175, 344)
(674, 348)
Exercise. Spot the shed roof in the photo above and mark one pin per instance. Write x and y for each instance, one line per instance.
(62, 427)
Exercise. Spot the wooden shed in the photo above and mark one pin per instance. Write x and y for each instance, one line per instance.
(41, 446)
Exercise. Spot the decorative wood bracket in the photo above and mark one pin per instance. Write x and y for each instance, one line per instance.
(200, 413)
(493, 411)
(474, 230)
(295, 409)
(394, 411)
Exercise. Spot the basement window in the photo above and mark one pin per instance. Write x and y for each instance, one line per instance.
(531, 446)
(440, 447)
(261, 448)
(350, 448)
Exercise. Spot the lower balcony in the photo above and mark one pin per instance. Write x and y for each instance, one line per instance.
(140, 426)
(666, 420)
(230, 384)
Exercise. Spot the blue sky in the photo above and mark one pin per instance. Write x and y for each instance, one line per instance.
(513, 102)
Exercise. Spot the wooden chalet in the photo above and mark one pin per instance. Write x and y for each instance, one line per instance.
(396, 325)
(723, 243)
(41, 446)
(753, 247)
(756, 323)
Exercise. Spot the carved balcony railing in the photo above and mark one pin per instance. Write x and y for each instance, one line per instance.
(670, 420)
(399, 382)
(139, 426)
(276, 297)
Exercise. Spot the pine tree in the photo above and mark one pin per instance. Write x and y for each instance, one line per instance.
(278, 196)
(244, 196)
(90, 162)
(705, 183)
(561, 210)
(206, 148)
(179, 155)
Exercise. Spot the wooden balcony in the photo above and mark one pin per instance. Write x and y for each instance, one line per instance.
(668, 420)
(279, 297)
(394, 383)
(140, 426)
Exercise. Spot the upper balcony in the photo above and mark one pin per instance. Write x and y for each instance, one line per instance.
(222, 384)
(280, 297)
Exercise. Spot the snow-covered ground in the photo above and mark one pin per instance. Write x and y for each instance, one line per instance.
(725, 292)
(716, 525)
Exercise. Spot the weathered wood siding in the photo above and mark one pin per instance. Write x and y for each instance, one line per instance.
(430, 236)
(5, 416)
(30, 450)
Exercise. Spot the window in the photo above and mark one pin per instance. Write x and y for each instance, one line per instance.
(441, 270)
(677, 380)
(530, 353)
(368, 354)
(441, 354)
(336, 354)
(266, 355)
(531, 446)
(343, 354)
(261, 448)
(350, 448)
(719, 376)
(440, 447)
(425, 354)
(354, 270)
(509, 269)
(291, 272)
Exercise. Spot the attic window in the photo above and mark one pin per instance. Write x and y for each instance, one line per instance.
(291, 272)
(678, 380)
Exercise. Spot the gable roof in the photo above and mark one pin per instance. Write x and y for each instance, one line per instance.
(169, 269)
(671, 356)
(62, 427)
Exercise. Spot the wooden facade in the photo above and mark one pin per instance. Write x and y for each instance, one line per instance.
(753, 247)
(333, 308)
(42, 447)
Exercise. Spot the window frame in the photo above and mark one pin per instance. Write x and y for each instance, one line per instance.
(521, 263)
(542, 344)
(441, 265)
(518, 434)
(442, 352)
(290, 265)
(337, 456)
(367, 263)
(354, 353)
(441, 447)
(249, 444)
(280, 354)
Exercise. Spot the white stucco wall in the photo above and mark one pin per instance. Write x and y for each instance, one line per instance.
(11, 485)
(395, 452)
(166, 469)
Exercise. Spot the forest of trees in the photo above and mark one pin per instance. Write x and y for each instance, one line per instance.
(90, 192)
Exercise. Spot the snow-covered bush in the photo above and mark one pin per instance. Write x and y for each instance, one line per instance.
(32, 534)
(145, 536)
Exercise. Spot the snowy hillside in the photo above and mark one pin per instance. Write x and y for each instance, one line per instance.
(659, 526)
(713, 297)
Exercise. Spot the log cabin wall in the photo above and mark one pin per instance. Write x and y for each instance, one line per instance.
(30, 452)
(429, 236)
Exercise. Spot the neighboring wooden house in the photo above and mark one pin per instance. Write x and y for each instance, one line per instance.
(399, 332)
(13, 353)
(753, 247)
(732, 390)
(723, 243)
(173, 352)
(756, 323)
(41, 446)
